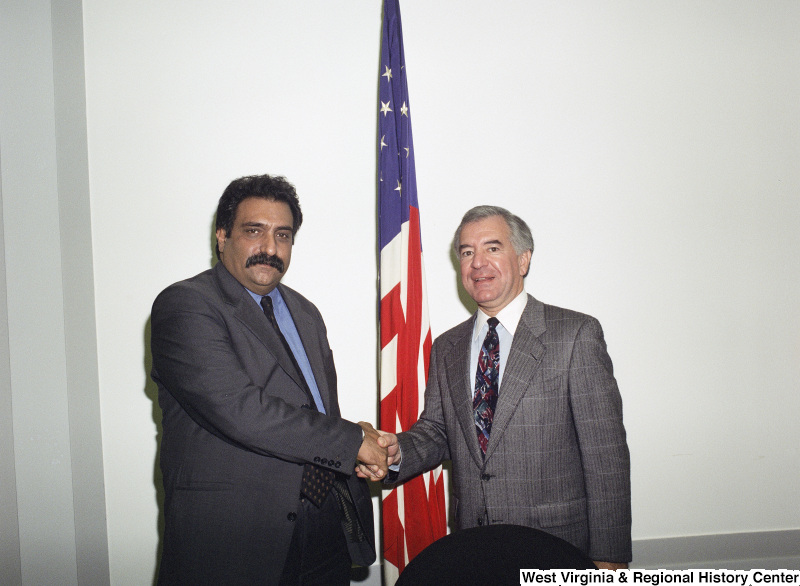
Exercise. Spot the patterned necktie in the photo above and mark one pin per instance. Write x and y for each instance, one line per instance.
(317, 482)
(484, 401)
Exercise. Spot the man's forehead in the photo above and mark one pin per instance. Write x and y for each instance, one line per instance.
(254, 209)
(493, 229)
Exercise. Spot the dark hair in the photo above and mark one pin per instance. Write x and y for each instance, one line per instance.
(520, 234)
(275, 188)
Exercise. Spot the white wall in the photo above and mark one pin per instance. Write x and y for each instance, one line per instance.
(652, 146)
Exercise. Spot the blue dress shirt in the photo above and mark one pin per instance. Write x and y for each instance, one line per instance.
(289, 331)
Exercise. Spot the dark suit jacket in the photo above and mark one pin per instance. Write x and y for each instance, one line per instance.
(238, 430)
(557, 457)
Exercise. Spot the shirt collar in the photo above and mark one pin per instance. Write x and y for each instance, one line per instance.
(277, 298)
(508, 317)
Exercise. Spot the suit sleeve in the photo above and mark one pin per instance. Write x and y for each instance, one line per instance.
(195, 362)
(597, 413)
(424, 446)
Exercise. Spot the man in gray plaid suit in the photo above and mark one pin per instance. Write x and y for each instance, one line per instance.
(553, 455)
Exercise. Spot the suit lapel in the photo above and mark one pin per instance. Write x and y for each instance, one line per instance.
(456, 363)
(252, 317)
(525, 358)
(309, 332)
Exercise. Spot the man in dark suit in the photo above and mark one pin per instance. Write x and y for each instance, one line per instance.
(256, 459)
(522, 398)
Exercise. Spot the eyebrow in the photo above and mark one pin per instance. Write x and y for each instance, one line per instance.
(463, 246)
(263, 225)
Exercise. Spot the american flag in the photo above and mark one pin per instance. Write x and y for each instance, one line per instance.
(413, 513)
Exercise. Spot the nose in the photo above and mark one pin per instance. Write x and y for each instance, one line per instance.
(477, 260)
(269, 244)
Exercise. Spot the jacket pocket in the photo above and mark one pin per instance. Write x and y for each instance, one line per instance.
(205, 485)
(560, 514)
(188, 479)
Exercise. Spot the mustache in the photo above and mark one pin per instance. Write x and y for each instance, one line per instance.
(263, 258)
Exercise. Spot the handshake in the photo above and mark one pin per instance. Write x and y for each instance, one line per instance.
(378, 451)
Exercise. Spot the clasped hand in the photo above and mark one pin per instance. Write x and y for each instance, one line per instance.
(371, 455)
(382, 442)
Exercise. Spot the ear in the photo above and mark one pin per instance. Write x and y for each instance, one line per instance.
(221, 239)
(524, 262)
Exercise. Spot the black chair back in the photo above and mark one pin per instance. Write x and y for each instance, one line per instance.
(491, 555)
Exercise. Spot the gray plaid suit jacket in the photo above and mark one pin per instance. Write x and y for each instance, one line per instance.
(557, 458)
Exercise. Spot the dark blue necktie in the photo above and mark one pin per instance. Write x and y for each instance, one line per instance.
(317, 482)
(486, 384)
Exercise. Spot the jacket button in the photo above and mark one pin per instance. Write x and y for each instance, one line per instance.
(480, 521)
(338, 465)
(291, 516)
(316, 459)
(324, 461)
(485, 477)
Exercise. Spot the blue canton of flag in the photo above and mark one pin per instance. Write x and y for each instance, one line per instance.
(398, 184)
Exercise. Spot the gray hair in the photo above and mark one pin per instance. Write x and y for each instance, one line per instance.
(521, 238)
